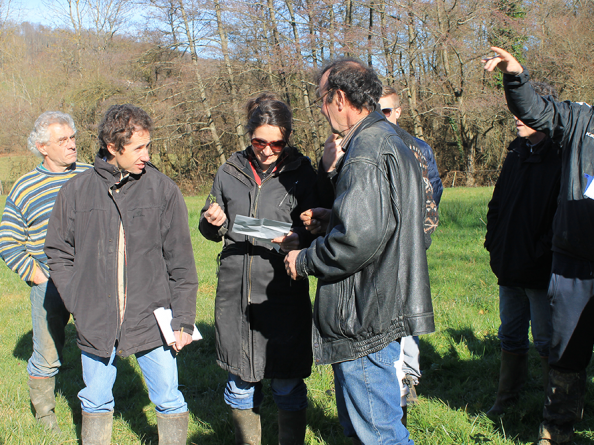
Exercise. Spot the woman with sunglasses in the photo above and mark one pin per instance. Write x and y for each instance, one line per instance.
(262, 318)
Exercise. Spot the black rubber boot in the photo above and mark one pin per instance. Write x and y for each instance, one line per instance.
(247, 426)
(41, 392)
(512, 376)
(291, 427)
(564, 406)
(96, 428)
(404, 419)
(173, 428)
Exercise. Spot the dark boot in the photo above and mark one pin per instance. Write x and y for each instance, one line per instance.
(512, 376)
(41, 392)
(96, 428)
(564, 406)
(173, 428)
(404, 419)
(291, 427)
(544, 363)
(247, 426)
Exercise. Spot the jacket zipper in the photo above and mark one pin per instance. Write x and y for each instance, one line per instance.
(253, 215)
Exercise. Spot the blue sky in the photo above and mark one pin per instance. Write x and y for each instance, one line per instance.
(35, 11)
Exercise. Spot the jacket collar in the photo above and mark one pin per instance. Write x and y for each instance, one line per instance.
(111, 174)
(240, 160)
(533, 154)
(372, 118)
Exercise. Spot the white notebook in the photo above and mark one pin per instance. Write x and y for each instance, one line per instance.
(164, 317)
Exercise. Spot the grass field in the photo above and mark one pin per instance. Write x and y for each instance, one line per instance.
(460, 361)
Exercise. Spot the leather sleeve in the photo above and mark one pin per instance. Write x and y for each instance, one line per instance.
(362, 224)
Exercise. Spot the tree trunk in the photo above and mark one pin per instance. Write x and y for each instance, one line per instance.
(241, 142)
(202, 89)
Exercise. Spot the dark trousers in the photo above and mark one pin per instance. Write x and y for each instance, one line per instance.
(571, 292)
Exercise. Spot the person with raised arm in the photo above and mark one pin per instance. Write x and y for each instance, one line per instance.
(571, 126)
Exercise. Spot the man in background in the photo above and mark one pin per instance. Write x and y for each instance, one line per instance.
(409, 362)
(390, 104)
(519, 236)
(22, 236)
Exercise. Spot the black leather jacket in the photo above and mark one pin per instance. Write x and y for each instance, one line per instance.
(373, 281)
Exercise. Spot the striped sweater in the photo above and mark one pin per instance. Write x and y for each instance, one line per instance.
(25, 218)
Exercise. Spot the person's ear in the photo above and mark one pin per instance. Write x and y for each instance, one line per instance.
(41, 148)
(340, 99)
(112, 149)
(397, 112)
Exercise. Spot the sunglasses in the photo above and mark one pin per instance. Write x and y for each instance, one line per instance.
(387, 111)
(275, 146)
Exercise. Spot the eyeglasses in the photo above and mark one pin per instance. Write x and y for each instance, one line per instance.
(62, 141)
(387, 111)
(319, 102)
(275, 146)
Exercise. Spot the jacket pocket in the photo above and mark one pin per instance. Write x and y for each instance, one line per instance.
(347, 312)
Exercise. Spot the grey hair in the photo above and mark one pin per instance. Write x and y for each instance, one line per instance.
(40, 135)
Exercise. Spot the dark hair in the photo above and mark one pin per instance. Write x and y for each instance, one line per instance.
(266, 109)
(356, 80)
(118, 125)
(545, 89)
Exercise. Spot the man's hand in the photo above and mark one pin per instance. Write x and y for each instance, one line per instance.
(215, 215)
(288, 242)
(290, 264)
(39, 277)
(181, 340)
(316, 220)
(506, 63)
(332, 152)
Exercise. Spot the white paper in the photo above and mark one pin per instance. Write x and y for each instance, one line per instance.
(265, 229)
(164, 317)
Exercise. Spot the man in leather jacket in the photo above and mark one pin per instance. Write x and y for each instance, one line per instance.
(373, 282)
(571, 289)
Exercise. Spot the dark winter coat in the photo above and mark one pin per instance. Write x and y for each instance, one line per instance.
(520, 216)
(82, 250)
(571, 125)
(373, 280)
(262, 318)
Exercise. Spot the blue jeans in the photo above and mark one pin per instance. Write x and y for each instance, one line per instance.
(288, 394)
(49, 318)
(159, 368)
(520, 308)
(368, 398)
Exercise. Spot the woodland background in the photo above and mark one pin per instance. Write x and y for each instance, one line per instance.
(192, 64)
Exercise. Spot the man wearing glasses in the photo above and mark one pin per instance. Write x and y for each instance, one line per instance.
(390, 103)
(22, 236)
(373, 282)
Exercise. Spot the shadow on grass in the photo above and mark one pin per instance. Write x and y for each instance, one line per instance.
(129, 392)
(469, 381)
(202, 382)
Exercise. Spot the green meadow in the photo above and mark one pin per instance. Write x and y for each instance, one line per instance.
(460, 361)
